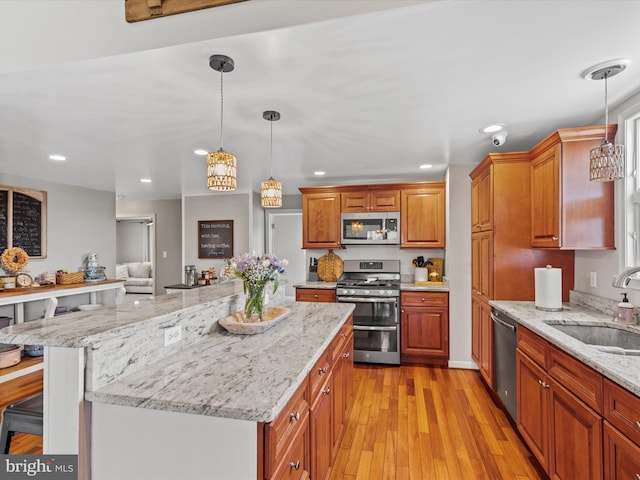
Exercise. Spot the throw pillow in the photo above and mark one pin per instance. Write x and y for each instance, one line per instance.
(122, 273)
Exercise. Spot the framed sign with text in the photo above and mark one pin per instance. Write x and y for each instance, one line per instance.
(215, 238)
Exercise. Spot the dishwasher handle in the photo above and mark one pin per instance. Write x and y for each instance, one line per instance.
(502, 323)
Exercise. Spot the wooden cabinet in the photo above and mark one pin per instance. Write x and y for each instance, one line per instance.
(371, 200)
(424, 327)
(287, 440)
(342, 372)
(621, 456)
(422, 216)
(320, 431)
(502, 259)
(320, 218)
(327, 295)
(555, 404)
(568, 210)
(481, 201)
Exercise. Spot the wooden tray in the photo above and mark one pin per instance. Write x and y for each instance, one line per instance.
(237, 322)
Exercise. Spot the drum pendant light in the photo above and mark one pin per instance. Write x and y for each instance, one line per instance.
(606, 161)
(271, 190)
(221, 165)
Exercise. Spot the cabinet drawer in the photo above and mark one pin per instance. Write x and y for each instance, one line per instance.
(622, 409)
(582, 381)
(344, 335)
(319, 374)
(280, 432)
(425, 299)
(315, 295)
(533, 345)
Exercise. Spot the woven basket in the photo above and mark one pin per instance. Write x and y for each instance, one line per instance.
(69, 278)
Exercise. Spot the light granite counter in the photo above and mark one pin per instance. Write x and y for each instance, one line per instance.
(412, 287)
(322, 285)
(246, 377)
(623, 370)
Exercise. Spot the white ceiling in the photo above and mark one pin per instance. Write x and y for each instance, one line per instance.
(367, 97)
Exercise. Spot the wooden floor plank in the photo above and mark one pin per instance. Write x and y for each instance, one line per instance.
(430, 423)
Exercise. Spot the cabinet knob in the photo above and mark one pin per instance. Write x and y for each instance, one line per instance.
(554, 238)
(322, 370)
(478, 293)
(344, 335)
(295, 465)
(638, 425)
(543, 384)
(315, 295)
(295, 416)
(346, 355)
(423, 299)
(637, 476)
(327, 391)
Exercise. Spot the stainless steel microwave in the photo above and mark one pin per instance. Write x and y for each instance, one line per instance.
(372, 228)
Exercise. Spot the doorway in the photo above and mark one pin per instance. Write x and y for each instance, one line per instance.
(284, 239)
(135, 244)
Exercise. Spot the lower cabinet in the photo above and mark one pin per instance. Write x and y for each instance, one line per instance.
(303, 440)
(621, 433)
(424, 327)
(482, 339)
(559, 405)
(621, 455)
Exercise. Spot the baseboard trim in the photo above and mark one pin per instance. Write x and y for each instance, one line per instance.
(464, 365)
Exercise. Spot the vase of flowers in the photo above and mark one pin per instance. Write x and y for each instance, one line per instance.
(255, 272)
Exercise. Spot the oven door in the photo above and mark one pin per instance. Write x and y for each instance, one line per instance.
(376, 330)
(373, 311)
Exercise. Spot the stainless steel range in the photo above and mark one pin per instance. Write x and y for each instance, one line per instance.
(374, 287)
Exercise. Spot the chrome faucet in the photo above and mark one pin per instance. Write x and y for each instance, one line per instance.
(622, 279)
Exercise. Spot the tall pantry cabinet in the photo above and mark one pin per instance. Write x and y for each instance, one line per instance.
(502, 259)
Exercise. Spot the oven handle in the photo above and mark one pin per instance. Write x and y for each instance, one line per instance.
(376, 329)
(366, 300)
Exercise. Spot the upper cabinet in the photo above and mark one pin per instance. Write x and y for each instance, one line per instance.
(568, 210)
(481, 200)
(421, 206)
(422, 216)
(320, 218)
(371, 200)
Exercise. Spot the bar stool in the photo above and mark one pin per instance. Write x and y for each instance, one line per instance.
(24, 416)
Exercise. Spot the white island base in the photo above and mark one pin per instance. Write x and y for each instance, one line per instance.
(131, 443)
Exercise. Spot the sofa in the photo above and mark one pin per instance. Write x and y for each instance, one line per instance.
(137, 276)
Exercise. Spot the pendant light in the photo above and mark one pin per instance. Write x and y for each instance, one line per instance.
(221, 165)
(271, 190)
(607, 160)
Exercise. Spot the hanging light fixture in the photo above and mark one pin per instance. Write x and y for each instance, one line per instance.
(271, 190)
(607, 160)
(221, 165)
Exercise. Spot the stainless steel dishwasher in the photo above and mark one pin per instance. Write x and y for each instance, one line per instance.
(504, 343)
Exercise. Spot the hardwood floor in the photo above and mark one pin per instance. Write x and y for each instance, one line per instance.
(428, 423)
(13, 391)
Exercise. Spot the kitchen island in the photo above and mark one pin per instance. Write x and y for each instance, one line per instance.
(134, 408)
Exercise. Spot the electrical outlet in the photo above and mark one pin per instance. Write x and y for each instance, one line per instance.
(172, 335)
(593, 280)
(164, 254)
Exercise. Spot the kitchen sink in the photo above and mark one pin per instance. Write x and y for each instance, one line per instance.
(608, 339)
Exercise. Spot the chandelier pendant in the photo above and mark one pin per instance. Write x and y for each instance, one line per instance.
(271, 190)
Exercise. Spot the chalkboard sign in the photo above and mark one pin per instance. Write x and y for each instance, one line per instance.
(23, 220)
(215, 238)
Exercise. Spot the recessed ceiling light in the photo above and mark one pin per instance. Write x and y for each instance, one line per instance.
(145, 180)
(200, 151)
(318, 173)
(57, 158)
(426, 166)
(496, 127)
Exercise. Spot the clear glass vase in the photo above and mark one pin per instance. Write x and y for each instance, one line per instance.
(254, 302)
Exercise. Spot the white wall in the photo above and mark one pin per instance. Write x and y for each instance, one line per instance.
(131, 239)
(79, 221)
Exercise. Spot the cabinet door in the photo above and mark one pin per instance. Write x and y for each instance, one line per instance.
(545, 201)
(481, 202)
(384, 200)
(476, 306)
(621, 456)
(482, 265)
(575, 433)
(486, 344)
(425, 333)
(327, 295)
(321, 220)
(532, 407)
(354, 201)
(321, 441)
(423, 218)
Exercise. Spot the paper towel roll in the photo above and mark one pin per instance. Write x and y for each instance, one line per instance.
(548, 288)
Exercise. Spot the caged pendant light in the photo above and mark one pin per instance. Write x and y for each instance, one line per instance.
(606, 161)
(271, 190)
(221, 165)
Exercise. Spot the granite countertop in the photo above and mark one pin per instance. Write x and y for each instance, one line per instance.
(83, 329)
(323, 285)
(623, 370)
(247, 377)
